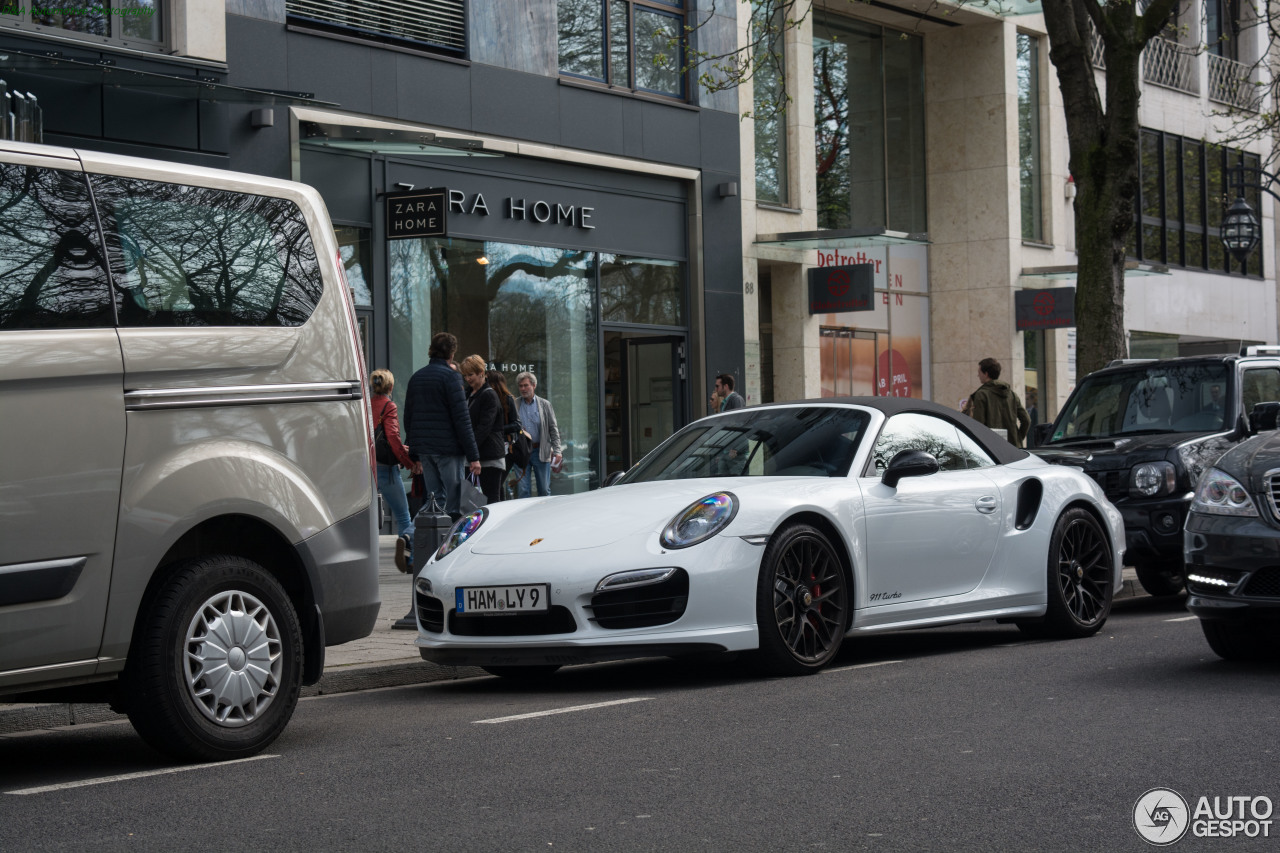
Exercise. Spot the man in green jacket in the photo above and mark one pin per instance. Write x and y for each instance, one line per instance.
(996, 405)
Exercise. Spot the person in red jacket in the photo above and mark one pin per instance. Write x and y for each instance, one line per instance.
(390, 486)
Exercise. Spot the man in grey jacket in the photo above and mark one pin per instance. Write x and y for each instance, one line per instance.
(539, 420)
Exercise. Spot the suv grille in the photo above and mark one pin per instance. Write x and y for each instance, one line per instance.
(1272, 480)
(430, 612)
(1114, 483)
(642, 606)
(557, 620)
(1265, 583)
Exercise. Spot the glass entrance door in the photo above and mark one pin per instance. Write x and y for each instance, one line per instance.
(644, 395)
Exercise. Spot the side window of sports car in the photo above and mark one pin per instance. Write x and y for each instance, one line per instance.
(974, 455)
(916, 431)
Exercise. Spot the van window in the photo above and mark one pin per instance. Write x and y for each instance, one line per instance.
(51, 270)
(195, 256)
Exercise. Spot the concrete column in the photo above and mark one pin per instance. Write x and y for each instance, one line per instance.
(797, 363)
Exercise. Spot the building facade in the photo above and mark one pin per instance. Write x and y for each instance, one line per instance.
(932, 146)
(586, 215)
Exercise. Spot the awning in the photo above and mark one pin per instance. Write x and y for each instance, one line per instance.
(201, 86)
(843, 238)
(389, 140)
(1132, 269)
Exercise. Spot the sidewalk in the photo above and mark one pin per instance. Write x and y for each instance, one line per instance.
(386, 658)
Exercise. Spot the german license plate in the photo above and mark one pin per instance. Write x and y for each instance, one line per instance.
(524, 598)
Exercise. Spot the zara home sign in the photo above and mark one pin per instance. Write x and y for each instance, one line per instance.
(525, 210)
(417, 213)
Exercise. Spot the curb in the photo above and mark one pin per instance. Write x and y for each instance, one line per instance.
(18, 718)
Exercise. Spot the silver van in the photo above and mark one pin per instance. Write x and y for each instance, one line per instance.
(187, 511)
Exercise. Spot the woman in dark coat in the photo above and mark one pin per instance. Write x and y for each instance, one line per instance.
(486, 422)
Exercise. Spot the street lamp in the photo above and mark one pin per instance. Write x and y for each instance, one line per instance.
(1240, 229)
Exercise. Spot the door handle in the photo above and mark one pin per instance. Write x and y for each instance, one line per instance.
(987, 504)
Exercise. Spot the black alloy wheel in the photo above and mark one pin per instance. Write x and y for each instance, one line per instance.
(1242, 641)
(1080, 578)
(802, 602)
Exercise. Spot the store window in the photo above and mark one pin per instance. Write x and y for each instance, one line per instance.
(1182, 195)
(521, 307)
(769, 91)
(869, 125)
(353, 249)
(129, 22)
(641, 290)
(633, 44)
(1029, 137)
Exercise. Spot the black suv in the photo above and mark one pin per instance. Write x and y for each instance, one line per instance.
(1146, 430)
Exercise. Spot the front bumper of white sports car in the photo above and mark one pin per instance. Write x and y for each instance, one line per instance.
(706, 605)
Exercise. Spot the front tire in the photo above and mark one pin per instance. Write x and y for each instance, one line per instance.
(215, 668)
(802, 602)
(1080, 579)
(1162, 580)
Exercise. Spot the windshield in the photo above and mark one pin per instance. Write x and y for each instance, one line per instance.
(816, 441)
(1155, 399)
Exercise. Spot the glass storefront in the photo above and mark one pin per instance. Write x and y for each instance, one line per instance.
(531, 308)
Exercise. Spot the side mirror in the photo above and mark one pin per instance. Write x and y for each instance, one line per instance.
(909, 463)
(1040, 434)
(613, 478)
(1263, 417)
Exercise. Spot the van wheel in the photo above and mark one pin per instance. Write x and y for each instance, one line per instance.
(216, 664)
(1162, 579)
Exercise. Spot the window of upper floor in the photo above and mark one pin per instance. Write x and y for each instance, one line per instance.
(1181, 201)
(636, 45)
(127, 23)
(435, 26)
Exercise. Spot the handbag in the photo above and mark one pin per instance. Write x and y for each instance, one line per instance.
(519, 449)
(381, 447)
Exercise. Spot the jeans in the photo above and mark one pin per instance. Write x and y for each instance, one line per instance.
(443, 478)
(391, 487)
(537, 470)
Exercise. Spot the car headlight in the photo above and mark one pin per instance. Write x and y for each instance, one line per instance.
(1221, 494)
(701, 520)
(462, 531)
(1151, 479)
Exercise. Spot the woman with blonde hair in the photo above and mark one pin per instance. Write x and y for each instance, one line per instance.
(486, 422)
(392, 455)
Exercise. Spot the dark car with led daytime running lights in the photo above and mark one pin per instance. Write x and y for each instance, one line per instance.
(1232, 543)
(1146, 430)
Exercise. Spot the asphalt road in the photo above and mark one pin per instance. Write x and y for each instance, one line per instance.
(952, 739)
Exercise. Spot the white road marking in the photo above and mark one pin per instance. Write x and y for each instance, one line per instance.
(568, 710)
(862, 666)
(1182, 619)
(124, 777)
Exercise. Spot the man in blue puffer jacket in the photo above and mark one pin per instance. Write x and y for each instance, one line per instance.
(438, 426)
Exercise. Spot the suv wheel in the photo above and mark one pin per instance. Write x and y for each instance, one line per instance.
(216, 663)
(1162, 579)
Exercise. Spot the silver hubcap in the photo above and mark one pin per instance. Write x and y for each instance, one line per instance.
(234, 658)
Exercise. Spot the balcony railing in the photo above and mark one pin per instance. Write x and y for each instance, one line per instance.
(1232, 83)
(1169, 64)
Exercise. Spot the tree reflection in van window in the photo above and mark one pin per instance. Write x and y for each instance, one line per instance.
(195, 256)
(51, 270)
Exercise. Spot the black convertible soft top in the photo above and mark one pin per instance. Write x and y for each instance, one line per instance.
(1002, 451)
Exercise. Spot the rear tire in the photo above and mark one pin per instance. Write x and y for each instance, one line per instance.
(1235, 641)
(215, 667)
(802, 602)
(1162, 580)
(1080, 579)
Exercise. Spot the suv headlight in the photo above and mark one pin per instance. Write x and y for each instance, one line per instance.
(462, 531)
(699, 521)
(1221, 494)
(1151, 479)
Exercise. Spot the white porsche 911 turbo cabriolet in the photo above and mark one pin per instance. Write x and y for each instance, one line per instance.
(780, 530)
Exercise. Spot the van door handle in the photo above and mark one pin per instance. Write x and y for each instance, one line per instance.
(987, 504)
